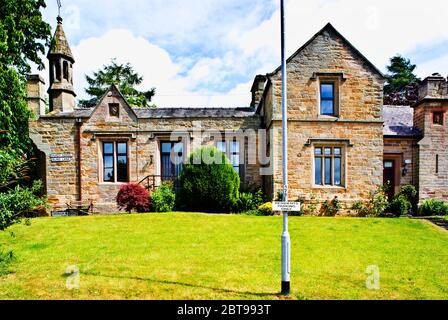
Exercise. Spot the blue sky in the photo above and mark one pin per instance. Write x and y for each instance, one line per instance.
(207, 52)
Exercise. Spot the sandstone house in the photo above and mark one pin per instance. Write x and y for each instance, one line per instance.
(342, 141)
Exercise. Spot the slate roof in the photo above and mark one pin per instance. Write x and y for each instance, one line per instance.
(194, 113)
(399, 121)
(59, 43)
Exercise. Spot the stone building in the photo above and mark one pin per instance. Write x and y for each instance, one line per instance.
(342, 141)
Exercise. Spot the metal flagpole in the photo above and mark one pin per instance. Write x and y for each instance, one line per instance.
(286, 243)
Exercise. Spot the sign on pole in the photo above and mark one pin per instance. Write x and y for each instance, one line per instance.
(286, 206)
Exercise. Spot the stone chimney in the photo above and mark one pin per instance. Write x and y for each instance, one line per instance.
(433, 87)
(257, 90)
(36, 95)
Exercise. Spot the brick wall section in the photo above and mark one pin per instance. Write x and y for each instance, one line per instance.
(360, 119)
(435, 142)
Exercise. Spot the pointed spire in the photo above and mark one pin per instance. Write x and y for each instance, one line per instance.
(59, 43)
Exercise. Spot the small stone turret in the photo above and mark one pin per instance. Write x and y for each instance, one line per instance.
(61, 92)
(257, 89)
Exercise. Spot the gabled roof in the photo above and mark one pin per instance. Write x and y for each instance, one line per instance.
(329, 28)
(59, 43)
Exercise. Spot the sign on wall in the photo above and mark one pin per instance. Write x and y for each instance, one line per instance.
(56, 157)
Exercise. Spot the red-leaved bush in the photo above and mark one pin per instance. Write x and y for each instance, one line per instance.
(133, 197)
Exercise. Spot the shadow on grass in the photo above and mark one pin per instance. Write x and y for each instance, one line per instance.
(261, 295)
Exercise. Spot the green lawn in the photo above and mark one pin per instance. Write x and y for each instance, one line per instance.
(195, 256)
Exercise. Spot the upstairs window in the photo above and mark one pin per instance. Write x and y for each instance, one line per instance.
(115, 162)
(328, 166)
(327, 99)
(437, 118)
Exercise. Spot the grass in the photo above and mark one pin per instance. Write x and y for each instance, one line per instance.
(196, 256)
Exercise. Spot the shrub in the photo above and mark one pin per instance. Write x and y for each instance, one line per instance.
(375, 206)
(19, 203)
(208, 182)
(265, 209)
(249, 201)
(399, 206)
(433, 207)
(133, 197)
(163, 198)
(331, 208)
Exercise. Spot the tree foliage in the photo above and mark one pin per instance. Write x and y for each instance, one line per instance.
(402, 83)
(23, 38)
(122, 75)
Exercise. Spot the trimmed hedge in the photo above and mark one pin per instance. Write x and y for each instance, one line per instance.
(208, 182)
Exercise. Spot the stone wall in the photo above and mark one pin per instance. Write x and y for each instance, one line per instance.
(358, 127)
(54, 135)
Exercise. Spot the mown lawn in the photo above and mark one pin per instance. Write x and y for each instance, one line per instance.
(196, 256)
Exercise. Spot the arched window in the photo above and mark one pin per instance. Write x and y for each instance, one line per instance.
(65, 69)
(57, 70)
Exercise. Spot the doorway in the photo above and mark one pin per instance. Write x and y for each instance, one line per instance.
(390, 176)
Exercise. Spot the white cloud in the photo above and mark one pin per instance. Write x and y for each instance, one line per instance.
(205, 53)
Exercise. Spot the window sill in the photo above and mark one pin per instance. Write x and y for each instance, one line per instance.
(329, 187)
(110, 184)
(327, 117)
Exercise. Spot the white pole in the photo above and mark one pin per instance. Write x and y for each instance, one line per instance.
(286, 243)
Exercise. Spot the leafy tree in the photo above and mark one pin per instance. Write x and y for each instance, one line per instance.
(402, 84)
(122, 75)
(23, 38)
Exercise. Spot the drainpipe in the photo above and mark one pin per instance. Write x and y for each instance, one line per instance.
(78, 141)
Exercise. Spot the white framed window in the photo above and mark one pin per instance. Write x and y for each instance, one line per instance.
(329, 164)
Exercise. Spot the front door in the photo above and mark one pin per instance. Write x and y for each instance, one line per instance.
(389, 177)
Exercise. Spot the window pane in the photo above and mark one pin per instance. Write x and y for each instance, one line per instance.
(328, 171)
(235, 160)
(166, 147)
(318, 151)
(122, 148)
(221, 146)
(327, 151)
(326, 91)
(327, 107)
(337, 171)
(109, 175)
(108, 161)
(337, 151)
(108, 148)
(235, 147)
(122, 169)
(178, 148)
(318, 171)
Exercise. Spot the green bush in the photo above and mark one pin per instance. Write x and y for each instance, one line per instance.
(399, 206)
(249, 201)
(19, 203)
(208, 182)
(163, 198)
(433, 207)
(376, 204)
(331, 207)
(265, 209)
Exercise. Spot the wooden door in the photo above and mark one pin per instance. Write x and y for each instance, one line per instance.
(389, 176)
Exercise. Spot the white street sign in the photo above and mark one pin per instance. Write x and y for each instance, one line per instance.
(286, 206)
